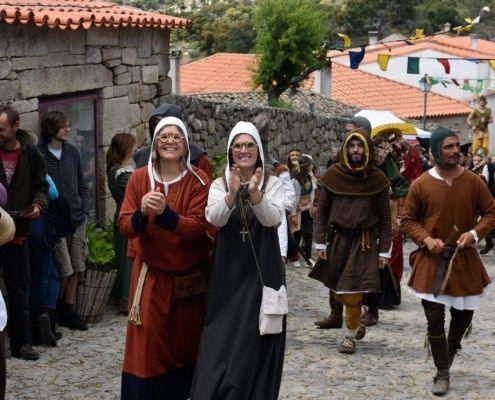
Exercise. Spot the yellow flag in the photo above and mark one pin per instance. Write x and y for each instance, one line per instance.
(492, 64)
(347, 39)
(463, 29)
(418, 34)
(382, 61)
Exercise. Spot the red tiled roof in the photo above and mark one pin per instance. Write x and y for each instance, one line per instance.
(83, 13)
(231, 73)
(219, 73)
(365, 90)
(456, 46)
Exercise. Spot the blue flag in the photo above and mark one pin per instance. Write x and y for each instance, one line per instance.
(355, 57)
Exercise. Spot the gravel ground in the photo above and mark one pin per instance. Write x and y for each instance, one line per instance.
(390, 362)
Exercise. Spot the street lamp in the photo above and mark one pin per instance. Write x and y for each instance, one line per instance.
(425, 85)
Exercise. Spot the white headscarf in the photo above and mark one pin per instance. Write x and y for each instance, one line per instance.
(164, 122)
(248, 128)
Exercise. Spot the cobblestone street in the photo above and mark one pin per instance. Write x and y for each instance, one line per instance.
(390, 362)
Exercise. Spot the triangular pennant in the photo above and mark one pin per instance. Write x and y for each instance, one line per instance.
(445, 63)
(455, 82)
(479, 85)
(444, 83)
(467, 86)
(418, 34)
(432, 81)
(347, 39)
(492, 64)
(475, 60)
(412, 65)
(382, 61)
(355, 57)
(463, 29)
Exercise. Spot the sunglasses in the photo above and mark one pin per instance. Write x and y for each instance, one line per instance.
(174, 137)
(250, 146)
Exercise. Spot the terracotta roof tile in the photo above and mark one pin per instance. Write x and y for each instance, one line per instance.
(75, 14)
(231, 73)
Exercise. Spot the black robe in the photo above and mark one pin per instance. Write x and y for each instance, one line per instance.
(235, 362)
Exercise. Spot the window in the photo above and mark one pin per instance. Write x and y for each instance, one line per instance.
(81, 110)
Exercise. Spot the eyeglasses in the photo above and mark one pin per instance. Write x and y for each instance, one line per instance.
(174, 137)
(250, 146)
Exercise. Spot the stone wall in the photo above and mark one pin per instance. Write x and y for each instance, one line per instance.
(128, 65)
(210, 124)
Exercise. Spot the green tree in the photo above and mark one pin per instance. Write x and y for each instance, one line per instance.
(289, 39)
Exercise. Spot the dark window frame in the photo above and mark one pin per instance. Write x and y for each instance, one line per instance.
(71, 98)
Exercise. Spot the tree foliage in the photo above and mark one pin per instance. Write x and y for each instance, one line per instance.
(290, 35)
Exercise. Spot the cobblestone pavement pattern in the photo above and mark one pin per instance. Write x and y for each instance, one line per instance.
(390, 362)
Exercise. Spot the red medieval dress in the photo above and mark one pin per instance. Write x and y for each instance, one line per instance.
(161, 351)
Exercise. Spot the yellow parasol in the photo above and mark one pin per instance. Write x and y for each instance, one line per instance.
(383, 122)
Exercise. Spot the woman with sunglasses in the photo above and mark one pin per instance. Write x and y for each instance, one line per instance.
(235, 361)
(163, 208)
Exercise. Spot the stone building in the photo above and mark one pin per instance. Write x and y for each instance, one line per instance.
(104, 65)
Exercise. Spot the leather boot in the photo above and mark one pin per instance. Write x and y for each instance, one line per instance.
(335, 319)
(457, 329)
(440, 353)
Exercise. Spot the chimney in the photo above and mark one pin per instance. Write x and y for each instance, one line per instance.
(373, 37)
(323, 81)
(174, 73)
(474, 40)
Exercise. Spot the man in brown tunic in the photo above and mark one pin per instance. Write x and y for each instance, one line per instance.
(445, 200)
(353, 216)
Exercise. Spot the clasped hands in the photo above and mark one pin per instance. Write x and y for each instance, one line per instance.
(436, 245)
(234, 184)
(153, 202)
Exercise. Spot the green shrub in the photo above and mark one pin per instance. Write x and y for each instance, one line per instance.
(101, 245)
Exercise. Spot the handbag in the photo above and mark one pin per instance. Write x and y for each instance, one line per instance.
(274, 304)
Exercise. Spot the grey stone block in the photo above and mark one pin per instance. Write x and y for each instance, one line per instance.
(57, 41)
(77, 41)
(115, 117)
(144, 44)
(3, 41)
(23, 63)
(160, 40)
(134, 91)
(149, 74)
(9, 90)
(93, 55)
(146, 110)
(101, 36)
(122, 79)
(148, 92)
(134, 114)
(26, 106)
(165, 86)
(30, 122)
(120, 91)
(113, 63)
(120, 69)
(111, 53)
(136, 74)
(5, 68)
(68, 79)
(129, 37)
(107, 93)
(129, 55)
(163, 65)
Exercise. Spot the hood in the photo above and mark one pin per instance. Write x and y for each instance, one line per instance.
(369, 152)
(249, 129)
(436, 140)
(164, 122)
(165, 110)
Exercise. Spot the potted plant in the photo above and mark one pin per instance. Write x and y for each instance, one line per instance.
(100, 274)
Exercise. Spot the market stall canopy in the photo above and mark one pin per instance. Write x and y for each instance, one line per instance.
(385, 121)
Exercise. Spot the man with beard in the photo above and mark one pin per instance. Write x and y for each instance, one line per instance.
(447, 210)
(354, 203)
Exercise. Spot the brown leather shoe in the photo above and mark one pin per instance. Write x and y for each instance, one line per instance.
(348, 346)
(331, 322)
(441, 383)
(361, 332)
(369, 319)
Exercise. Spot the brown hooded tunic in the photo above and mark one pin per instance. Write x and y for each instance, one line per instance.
(354, 206)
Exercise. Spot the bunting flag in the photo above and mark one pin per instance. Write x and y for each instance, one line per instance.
(492, 64)
(455, 82)
(463, 29)
(355, 57)
(418, 34)
(382, 61)
(412, 65)
(466, 85)
(347, 39)
(445, 63)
